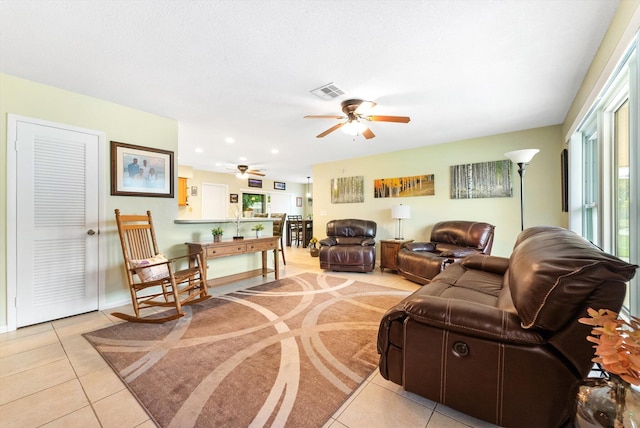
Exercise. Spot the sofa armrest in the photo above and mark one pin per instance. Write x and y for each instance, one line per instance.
(493, 264)
(327, 242)
(420, 246)
(368, 242)
(470, 318)
(394, 314)
(458, 252)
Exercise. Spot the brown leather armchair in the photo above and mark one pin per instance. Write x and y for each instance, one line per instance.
(451, 241)
(499, 339)
(349, 246)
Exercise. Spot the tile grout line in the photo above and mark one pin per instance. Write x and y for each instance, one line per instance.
(95, 414)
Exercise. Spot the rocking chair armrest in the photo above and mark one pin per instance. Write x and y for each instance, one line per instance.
(193, 255)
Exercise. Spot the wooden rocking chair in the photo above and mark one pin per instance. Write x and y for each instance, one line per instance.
(152, 278)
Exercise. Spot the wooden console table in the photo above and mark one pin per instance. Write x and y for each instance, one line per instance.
(214, 250)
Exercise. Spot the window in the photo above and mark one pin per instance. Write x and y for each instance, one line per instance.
(608, 143)
(590, 188)
(253, 202)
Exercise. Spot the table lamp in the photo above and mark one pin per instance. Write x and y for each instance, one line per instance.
(400, 212)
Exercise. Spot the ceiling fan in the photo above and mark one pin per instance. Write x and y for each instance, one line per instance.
(356, 112)
(243, 170)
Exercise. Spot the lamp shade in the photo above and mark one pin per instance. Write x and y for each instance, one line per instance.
(522, 156)
(401, 211)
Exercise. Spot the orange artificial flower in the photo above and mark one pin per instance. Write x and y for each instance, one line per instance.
(617, 343)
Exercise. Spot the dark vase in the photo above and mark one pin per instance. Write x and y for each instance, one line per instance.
(608, 403)
(313, 250)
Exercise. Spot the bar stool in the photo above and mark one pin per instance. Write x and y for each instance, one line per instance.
(278, 229)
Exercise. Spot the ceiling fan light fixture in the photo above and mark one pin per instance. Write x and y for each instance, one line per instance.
(354, 128)
(242, 171)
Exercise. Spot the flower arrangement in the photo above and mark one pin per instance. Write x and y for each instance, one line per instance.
(217, 231)
(617, 343)
(258, 227)
(313, 241)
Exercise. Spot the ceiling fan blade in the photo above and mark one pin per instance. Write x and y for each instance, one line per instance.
(330, 130)
(256, 173)
(368, 134)
(400, 119)
(324, 117)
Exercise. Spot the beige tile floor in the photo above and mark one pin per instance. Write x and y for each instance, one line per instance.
(51, 377)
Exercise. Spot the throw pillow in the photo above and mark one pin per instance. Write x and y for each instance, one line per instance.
(146, 272)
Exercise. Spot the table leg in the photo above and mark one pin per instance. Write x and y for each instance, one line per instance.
(264, 263)
(276, 263)
(193, 249)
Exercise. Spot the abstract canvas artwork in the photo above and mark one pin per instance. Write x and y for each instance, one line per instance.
(417, 185)
(346, 190)
(481, 180)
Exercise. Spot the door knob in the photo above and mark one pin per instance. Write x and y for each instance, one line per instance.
(91, 232)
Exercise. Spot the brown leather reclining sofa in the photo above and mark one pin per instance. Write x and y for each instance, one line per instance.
(499, 338)
(349, 246)
(451, 241)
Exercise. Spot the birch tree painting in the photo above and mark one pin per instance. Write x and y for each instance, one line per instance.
(347, 190)
(481, 180)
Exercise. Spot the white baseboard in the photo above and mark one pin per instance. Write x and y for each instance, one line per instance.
(112, 305)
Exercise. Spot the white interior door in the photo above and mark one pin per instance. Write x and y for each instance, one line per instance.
(214, 201)
(57, 219)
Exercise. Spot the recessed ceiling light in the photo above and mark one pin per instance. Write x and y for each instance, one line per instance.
(242, 158)
(199, 150)
(275, 151)
(229, 140)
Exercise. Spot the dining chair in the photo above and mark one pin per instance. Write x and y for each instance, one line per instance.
(278, 229)
(296, 229)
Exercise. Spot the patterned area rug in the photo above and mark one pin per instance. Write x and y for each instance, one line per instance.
(285, 353)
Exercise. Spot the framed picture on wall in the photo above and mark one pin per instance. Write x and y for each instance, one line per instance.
(298, 201)
(346, 190)
(141, 171)
(233, 198)
(255, 182)
(278, 185)
(481, 180)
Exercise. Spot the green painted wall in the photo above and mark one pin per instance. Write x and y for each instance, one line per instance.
(119, 123)
(542, 187)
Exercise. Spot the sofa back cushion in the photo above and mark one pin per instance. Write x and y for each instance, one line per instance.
(551, 273)
(351, 228)
(464, 234)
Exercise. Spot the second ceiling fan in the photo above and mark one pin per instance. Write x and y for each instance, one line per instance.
(243, 170)
(355, 111)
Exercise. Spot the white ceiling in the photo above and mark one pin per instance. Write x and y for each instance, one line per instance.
(244, 69)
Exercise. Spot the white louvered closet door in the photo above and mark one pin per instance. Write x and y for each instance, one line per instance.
(57, 206)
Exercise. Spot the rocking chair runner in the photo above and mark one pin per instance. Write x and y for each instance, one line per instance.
(157, 283)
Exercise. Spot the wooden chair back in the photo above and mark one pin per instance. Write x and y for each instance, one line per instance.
(137, 237)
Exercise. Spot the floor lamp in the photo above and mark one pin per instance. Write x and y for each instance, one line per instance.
(522, 158)
(400, 212)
